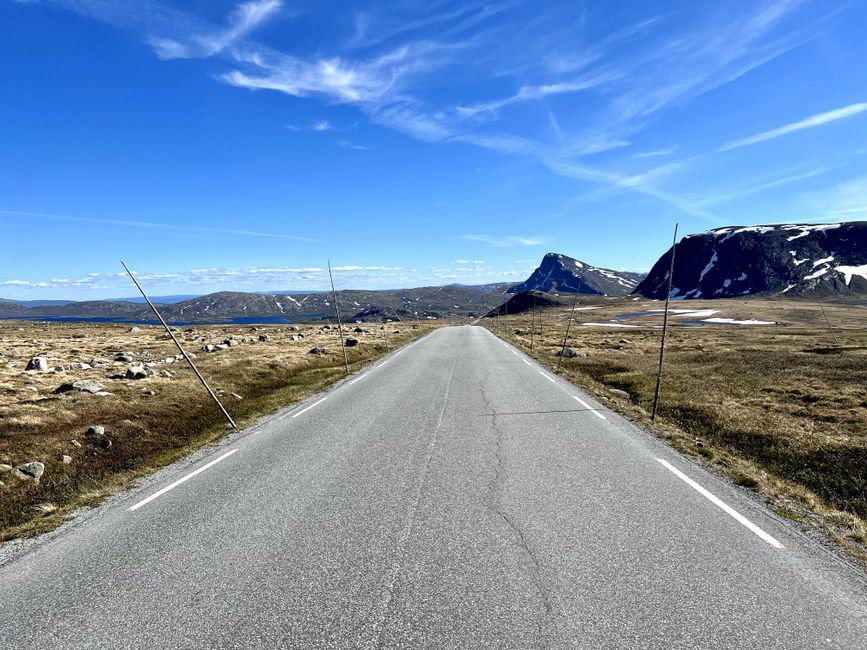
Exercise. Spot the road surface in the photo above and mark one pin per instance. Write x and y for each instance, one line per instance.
(455, 495)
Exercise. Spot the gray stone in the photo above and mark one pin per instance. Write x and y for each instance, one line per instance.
(264, 338)
(136, 371)
(318, 350)
(230, 342)
(222, 346)
(166, 374)
(620, 393)
(209, 348)
(569, 353)
(96, 430)
(133, 330)
(37, 363)
(5, 468)
(99, 363)
(351, 342)
(236, 396)
(66, 460)
(88, 386)
(124, 357)
(32, 471)
(75, 444)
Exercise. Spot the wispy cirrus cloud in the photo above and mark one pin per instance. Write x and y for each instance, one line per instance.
(505, 241)
(610, 87)
(162, 226)
(807, 123)
(242, 21)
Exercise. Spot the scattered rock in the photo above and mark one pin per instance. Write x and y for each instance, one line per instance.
(45, 508)
(264, 338)
(83, 386)
(31, 471)
(568, 353)
(318, 350)
(351, 342)
(620, 393)
(148, 392)
(294, 328)
(99, 363)
(96, 430)
(236, 396)
(166, 374)
(66, 460)
(698, 443)
(136, 371)
(222, 346)
(39, 364)
(133, 330)
(520, 332)
(325, 328)
(5, 468)
(104, 393)
(78, 366)
(208, 348)
(230, 342)
(124, 357)
(59, 369)
(79, 336)
(75, 444)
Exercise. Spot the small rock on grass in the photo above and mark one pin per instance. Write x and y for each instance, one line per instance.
(620, 393)
(75, 444)
(31, 471)
(318, 350)
(65, 459)
(96, 430)
(5, 468)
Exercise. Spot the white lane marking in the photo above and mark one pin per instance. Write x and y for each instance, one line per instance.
(384, 362)
(588, 407)
(359, 378)
(525, 361)
(181, 480)
(547, 377)
(719, 503)
(304, 410)
(513, 352)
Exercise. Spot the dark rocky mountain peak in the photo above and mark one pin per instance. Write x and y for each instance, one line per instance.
(562, 274)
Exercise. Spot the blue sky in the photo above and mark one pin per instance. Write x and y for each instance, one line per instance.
(223, 145)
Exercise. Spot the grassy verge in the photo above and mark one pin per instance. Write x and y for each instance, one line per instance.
(779, 409)
(150, 422)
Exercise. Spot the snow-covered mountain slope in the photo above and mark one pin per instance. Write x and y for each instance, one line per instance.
(796, 260)
(559, 273)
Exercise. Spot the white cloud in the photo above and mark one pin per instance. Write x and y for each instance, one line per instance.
(242, 21)
(807, 123)
(656, 152)
(508, 241)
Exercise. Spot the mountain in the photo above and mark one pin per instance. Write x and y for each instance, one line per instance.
(422, 302)
(796, 260)
(559, 273)
(525, 301)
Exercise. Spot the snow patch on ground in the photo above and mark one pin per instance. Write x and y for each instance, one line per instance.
(713, 260)
(733, 321)
(850, 271)
(817, 274)
(823, 261)
(610, 325)
(806, 230)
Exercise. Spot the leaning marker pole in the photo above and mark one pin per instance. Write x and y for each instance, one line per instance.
(568, 325)
(664, 325)
(339, 324)
(183, 352)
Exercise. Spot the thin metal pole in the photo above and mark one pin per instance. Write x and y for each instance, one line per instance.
(533, 324)
(183, 352)
(568, 325)
(664, 325)
(339, 324)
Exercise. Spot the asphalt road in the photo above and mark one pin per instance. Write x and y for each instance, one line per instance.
(453, 496)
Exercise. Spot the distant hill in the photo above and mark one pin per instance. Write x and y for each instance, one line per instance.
(525, 301)
(422, 302)
(813, 261)
(562, 274)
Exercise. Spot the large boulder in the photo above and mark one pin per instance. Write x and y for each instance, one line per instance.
(351, 342)
(39, 364)
(318, 350)
(82, 386)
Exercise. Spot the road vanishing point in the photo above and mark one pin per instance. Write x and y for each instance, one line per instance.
(454, 495)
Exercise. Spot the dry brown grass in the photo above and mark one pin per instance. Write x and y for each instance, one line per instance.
(150, 422)
(781, 409)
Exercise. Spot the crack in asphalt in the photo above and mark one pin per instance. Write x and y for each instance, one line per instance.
(373, 638)
(495, 487)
